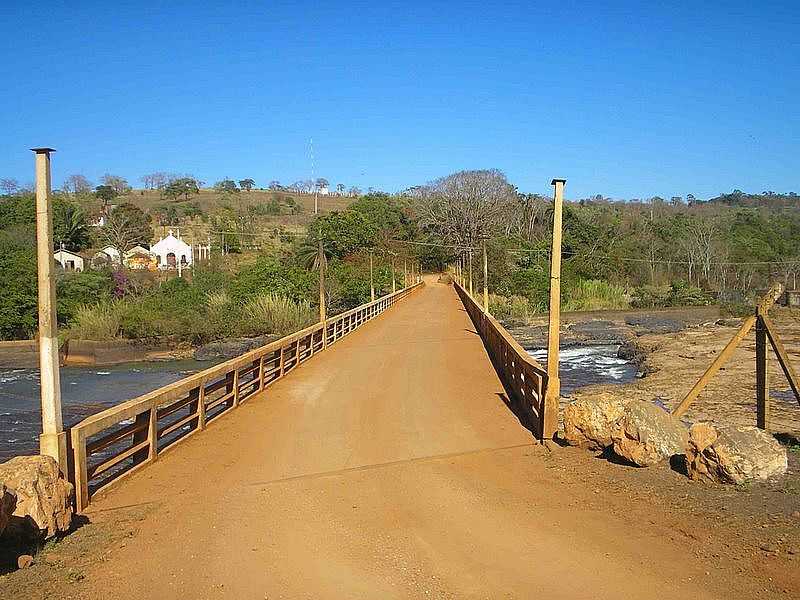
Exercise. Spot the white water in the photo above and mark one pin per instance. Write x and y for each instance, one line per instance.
(588, 365)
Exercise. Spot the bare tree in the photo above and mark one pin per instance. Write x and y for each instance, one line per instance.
(9, 185)
(466, 205)
(77, 185)
(120, 184)
(155, 181)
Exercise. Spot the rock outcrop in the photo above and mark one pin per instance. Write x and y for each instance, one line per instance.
(646, 434)
(8, 502)
(44, 497)
(590, 420)
(733, 454)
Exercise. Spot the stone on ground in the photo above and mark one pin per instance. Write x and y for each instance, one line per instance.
(8, 501)
(44, 497)
(590, 420)
(646, 434)
(733, 454)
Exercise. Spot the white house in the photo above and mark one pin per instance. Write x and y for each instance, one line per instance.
(171, 252)
(69, 260)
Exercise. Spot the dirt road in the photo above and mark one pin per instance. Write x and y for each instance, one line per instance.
(389, 467)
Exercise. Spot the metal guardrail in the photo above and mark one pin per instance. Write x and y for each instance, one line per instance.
(116, 442)
(521, 374)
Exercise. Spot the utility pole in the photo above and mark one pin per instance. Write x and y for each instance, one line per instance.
(485, 279)
(371, 279)
(394, 279)
(53, 441)
(551, 399)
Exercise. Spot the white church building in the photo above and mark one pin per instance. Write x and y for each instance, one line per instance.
(172, 251)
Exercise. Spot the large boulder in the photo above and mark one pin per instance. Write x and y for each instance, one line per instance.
(733, 454)
(8, 502)
(44, 497)
(590, 420)
(646, 434)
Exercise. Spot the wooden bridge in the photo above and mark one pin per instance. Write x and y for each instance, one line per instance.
(377, 456)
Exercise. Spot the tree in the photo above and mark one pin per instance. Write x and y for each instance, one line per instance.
(465, 205)
(184, 186)
(246, 184)
(344, 233)
(156, 181)
(321, 182)
(340, 189)
(127, 226)
(69, 226)
(354, 191)
(275, 185)
(106, 193)
(226, 186)
(119, 184)
(18, 294)
(9, 185)
(77, 185)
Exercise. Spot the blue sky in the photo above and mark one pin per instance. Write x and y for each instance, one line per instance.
(620, 98)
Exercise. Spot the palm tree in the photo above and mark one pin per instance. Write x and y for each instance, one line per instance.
(69, 226)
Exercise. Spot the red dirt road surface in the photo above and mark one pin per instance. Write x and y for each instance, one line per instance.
(390, 467)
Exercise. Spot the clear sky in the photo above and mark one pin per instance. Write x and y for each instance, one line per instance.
(627, 99)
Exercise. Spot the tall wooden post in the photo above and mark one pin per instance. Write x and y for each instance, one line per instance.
(551, 399)
(470, 273)
(762, 377)
(371, 280)
(394, 279)
(485, 280)
(53, 441)
(321, 260)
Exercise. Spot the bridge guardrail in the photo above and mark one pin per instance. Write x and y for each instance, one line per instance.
(124, 438)
(523, 376)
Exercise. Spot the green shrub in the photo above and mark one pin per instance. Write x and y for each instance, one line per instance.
(509, 308)
(595, 294)
(276, 314)
(98, 322)
(677, 294)
(269, 276)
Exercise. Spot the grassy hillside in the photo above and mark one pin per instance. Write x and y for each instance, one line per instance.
(264, 215)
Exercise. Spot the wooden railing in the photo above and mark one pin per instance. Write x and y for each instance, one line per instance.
(522, 375)
(122, 439)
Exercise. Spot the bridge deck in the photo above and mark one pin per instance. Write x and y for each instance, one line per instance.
(387, 467)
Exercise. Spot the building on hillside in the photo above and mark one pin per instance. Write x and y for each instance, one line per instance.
(140, 258)
(107, 257)
(69, 261)
(172, 252)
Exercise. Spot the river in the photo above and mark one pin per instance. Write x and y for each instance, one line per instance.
(84, 391)
(87, 390)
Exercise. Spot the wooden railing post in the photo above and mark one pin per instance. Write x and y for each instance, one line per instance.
(261, 374)
(152, 432)
(201, 406)
(81, 471)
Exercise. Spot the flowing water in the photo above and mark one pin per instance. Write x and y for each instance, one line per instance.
(87, 390)
(587, 365)
(84, 391)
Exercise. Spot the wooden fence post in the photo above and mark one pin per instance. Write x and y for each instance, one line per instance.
(762, 377)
